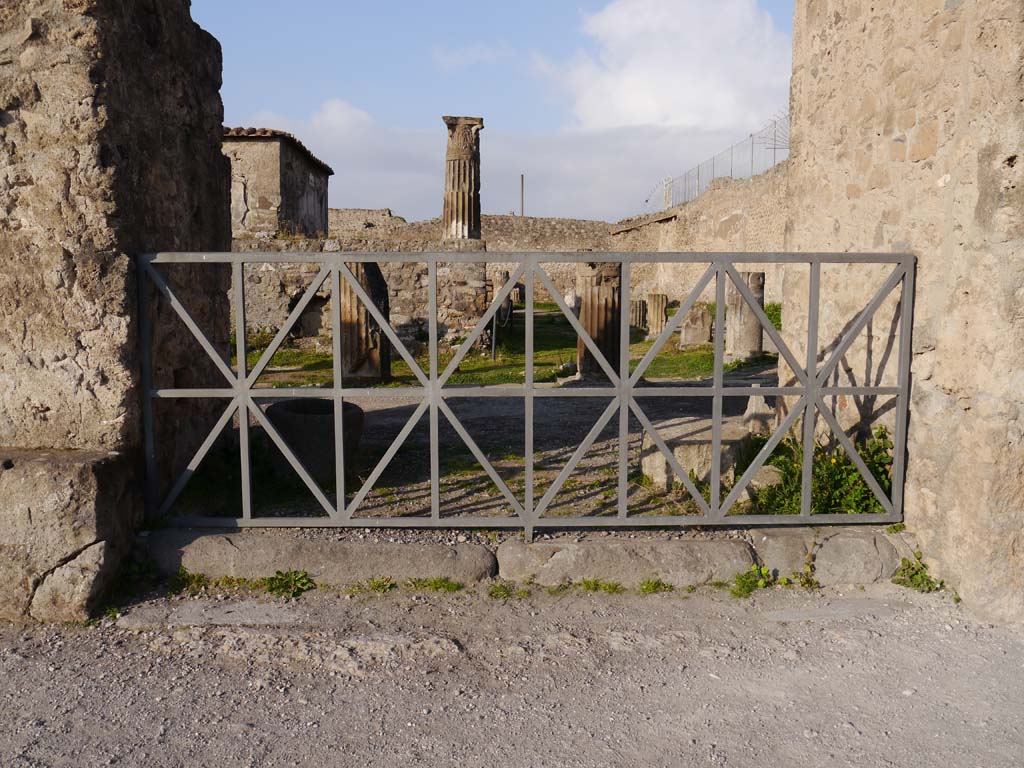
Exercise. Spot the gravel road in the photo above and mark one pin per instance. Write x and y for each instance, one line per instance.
(879, 677)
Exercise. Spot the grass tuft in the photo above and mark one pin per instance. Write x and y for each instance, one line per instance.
(436, 584)
(655, 586)
(507, 590)
(599, 585)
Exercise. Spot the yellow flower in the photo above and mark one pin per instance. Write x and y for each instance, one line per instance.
(833, 459)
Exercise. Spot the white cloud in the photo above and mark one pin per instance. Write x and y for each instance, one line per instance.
(667, 84)
(680, 63)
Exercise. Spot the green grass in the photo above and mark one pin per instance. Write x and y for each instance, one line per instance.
(599, 585)
(507, 590)
(437, 584)
(554, 345)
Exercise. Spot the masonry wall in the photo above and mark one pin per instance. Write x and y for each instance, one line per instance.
(255, 186)
(907, 134)
(342, 221)
(111, 122)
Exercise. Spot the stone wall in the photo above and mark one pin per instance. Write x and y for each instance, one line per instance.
(907, 134)
(110, 120)
(733, 215)
(342, 221)
(303, 192)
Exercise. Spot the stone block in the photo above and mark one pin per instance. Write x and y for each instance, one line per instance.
(693, 452)
(851, 556)
(695, 328)
(64, 525)
(629, 562)
(256, 553)
(784, 550)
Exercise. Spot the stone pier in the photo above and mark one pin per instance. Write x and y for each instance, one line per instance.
(110, 141)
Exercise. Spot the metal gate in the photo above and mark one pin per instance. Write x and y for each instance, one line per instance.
(806, 392)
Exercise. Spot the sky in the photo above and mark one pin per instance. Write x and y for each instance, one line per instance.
(595, 101)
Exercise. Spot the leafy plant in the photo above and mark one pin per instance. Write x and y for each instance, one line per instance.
(748, 582)
(913, 574)
(896, 528)
(289, 584)
(654, 586)
(437, 584)
(805, 577)
(506, 590)
(774, 311)
(838, 487)
(559, 589)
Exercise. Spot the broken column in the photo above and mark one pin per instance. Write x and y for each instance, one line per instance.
(657, 314)
(110, 140)
(744, 334)
(462, 287)
(638, 313)
(598, 287)
(461, 217)
(695, 329)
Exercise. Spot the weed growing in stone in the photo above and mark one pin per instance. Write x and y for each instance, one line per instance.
(186, 583)
(599, 585)
(559, 589)
(896, 528)
(913, 574)
(437, 584)
(654, 586)
(506, 590)
(289, 584)
(748, 582)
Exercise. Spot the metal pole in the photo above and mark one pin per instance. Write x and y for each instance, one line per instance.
(522, 195)
(751, 155)
(775, 141)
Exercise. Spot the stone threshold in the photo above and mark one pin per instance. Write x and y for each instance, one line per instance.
(841, 556)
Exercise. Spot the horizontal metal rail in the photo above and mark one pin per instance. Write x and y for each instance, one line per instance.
(626, 392)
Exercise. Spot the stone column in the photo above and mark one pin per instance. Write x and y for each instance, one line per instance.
(744, 334)
(461, 217)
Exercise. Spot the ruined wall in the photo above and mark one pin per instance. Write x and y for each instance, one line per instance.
(110, 120)
(907, 131)
(303, 193)
(733, 215)
(255, 186)
(342, 221)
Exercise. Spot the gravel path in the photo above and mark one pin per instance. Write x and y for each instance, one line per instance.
(882, 677)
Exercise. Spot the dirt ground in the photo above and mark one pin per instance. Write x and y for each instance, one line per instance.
(880, 677)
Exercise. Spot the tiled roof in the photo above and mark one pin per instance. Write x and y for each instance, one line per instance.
(273, 133)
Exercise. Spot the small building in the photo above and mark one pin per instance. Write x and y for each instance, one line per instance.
(277, 185)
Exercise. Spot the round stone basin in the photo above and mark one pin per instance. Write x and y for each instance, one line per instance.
(306, 424)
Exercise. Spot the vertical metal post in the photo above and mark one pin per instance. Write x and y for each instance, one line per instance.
(242, 389)
(522, 195)
(624, 387)
(812, 388)
(732, 152)
(715, 493)
(775, 141)
(152, 486)
(751, 155)
(339, 401)
(528, 500)
(903, 382)
(434, 394)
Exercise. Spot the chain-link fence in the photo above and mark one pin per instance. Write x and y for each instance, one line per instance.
(760, 152)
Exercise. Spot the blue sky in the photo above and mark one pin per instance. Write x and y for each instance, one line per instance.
(595, 100)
